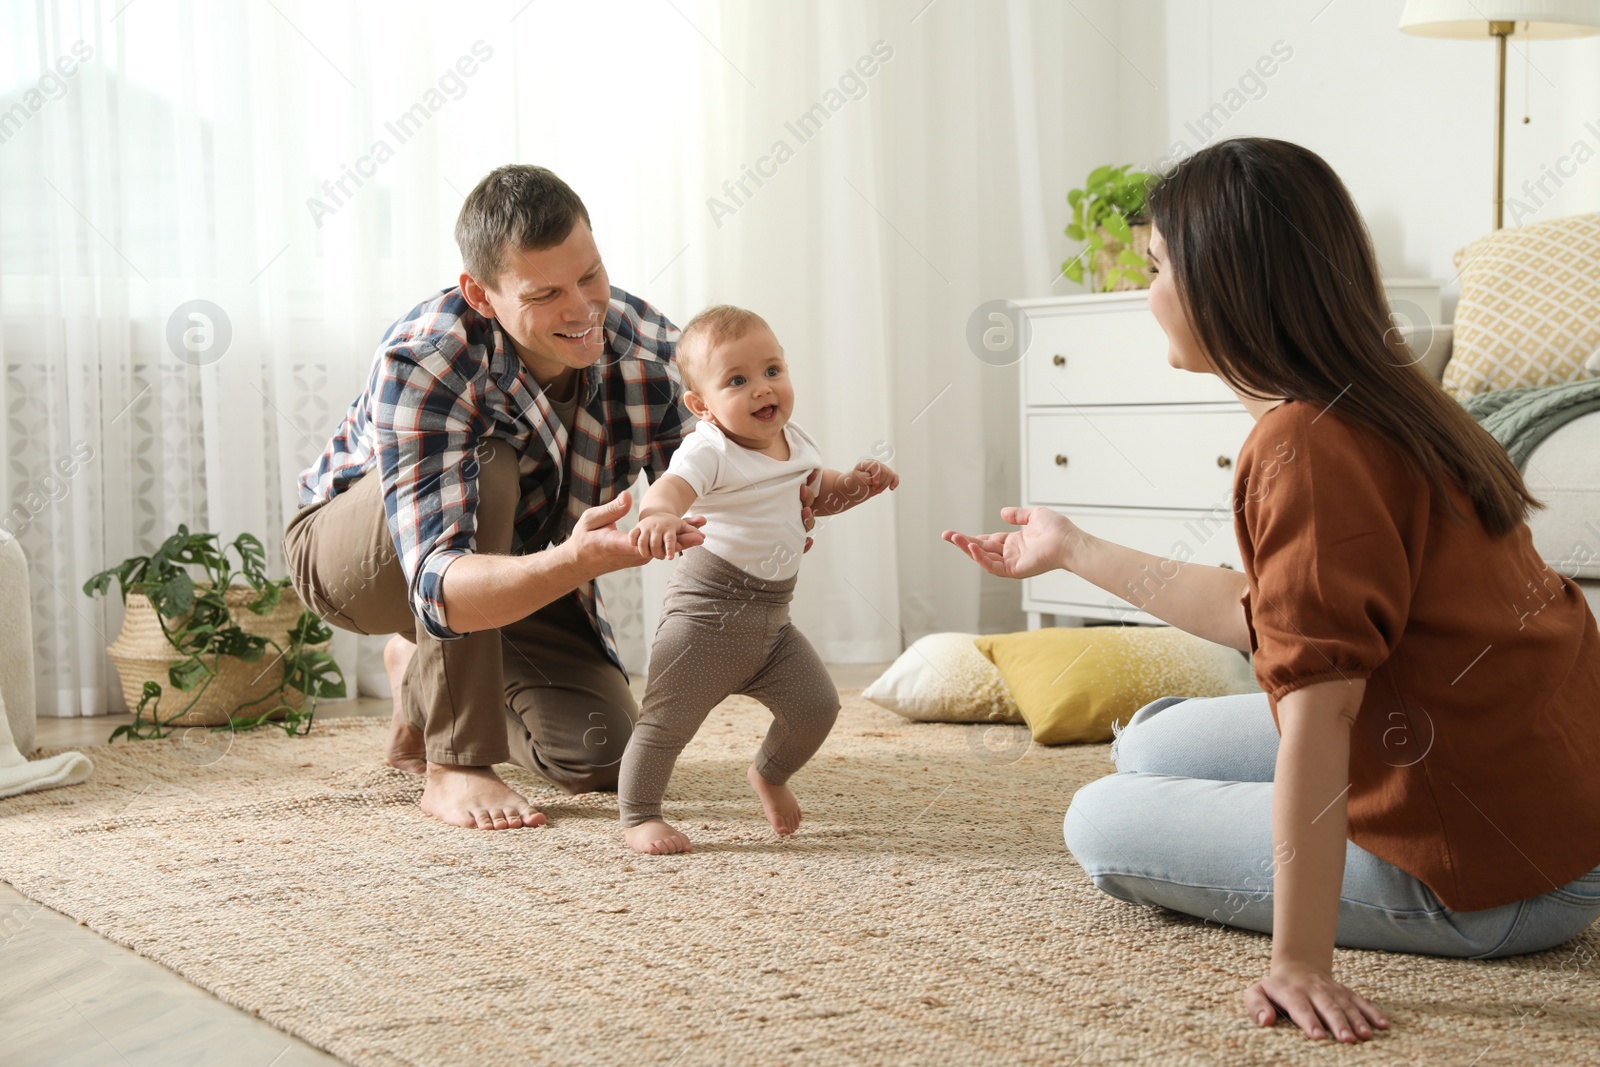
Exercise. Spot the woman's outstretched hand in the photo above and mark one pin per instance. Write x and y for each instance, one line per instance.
(1045, 542)
(1314, 1002)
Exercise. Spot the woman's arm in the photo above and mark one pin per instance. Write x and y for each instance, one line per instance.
(1310, 784)
(1191, 596)
(1201, 600)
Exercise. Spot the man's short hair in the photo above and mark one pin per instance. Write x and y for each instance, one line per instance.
(715, 325)
(517, 206)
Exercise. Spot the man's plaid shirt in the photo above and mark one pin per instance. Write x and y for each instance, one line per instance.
(444, 379)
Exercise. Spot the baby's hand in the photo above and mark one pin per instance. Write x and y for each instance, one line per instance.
(659, 536)
(867, 479)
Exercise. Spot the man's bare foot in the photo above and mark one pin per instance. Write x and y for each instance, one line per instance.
(781, 808)
(657, 837)
(404, 750)
(476, 798)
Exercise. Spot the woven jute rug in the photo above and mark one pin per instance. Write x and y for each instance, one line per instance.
(927, 912)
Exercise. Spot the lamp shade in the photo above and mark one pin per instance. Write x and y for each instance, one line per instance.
(1533, 19)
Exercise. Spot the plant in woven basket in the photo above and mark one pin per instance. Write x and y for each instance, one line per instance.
(1106, 216)
(206, 626)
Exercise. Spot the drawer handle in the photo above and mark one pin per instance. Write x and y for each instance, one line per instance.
(1059, 360)
(1061, 461)
(1224, 462)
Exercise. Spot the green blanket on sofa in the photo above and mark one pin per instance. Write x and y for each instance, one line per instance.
(1520, 419)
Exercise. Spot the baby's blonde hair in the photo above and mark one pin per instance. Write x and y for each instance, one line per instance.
(715, 325)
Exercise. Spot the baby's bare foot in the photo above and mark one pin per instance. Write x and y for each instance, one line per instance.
(656, 837)
(476, 798)
(781, 808)
(404, 750)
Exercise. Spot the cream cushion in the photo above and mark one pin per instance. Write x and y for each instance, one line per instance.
(1530, 307)
(944, 678)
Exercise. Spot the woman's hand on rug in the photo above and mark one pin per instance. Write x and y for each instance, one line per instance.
(1043, 544)
(1314, 1002)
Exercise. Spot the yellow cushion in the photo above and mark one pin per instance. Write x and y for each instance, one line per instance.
(1071, 684)
(1530, 307)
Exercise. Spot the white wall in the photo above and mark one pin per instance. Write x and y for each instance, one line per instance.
(1406, 121)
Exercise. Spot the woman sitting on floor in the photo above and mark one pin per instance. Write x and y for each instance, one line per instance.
(1428, 730)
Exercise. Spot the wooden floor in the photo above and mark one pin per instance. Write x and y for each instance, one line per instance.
(71, 998)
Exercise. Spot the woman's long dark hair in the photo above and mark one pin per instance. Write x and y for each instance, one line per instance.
(1274, 266)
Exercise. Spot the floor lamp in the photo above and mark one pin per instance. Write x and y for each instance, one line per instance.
(1528, 20)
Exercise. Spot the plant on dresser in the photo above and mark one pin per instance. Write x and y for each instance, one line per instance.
(1106, 215)
(1131, 448)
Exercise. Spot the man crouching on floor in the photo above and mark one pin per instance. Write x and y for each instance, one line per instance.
(471, 496)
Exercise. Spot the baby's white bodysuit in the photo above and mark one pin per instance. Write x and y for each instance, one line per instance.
(750, 500)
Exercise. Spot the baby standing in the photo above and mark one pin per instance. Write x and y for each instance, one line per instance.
(725, 625)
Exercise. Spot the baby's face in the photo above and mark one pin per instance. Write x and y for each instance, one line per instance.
(743, 388)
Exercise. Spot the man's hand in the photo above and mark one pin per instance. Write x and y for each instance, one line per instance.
(1314, 1002)
(599, 547)
(661, 536)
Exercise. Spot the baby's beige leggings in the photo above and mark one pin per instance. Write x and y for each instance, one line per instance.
(724, 631)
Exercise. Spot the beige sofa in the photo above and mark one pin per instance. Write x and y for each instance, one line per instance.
(1564, 472)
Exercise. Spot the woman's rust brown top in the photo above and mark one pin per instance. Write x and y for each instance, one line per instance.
(1475, 759)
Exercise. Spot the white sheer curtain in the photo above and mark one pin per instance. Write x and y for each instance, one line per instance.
(915, 199)
(299, 166)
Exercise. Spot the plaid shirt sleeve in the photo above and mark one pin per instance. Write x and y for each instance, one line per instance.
(643, 329)
(672, 428)
(428, 423)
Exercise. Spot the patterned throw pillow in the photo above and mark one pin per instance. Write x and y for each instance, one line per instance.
(1530, 307)
(944, 678)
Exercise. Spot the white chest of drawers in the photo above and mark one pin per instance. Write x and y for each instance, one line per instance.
(1129, 447)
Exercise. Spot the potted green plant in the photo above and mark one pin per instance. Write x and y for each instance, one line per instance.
(1107, 217)
(208, 639)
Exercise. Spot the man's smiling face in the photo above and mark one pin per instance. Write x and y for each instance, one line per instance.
(551, 302)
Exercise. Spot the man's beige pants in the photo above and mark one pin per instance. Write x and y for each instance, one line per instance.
(540, 692)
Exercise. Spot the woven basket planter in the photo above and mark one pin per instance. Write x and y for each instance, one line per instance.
(142, 654)
(1106, 259)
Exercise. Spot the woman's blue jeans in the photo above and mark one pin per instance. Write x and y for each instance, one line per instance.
(1186, 824)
